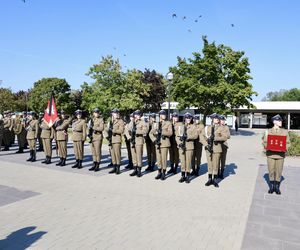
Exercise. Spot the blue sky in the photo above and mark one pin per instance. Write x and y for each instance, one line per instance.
(63, 38)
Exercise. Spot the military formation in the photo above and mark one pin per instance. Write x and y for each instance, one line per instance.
(178, 142)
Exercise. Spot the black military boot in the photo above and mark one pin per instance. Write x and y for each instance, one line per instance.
(46, 159)
(158, 175)
(49, 160)
(163, 175)
(277, 190)
(272, 187)
(149, 168)
(93, 167)
(113, 170)
(30, 158)
(129, 166)
(76, 164)
(6, 148)
(97, 168)
(20, 151)
(79, 164)
(60, 162)
(209, 182)
(175, 169)
(188, 179)
(193, 171)
(63, 163)
(110, 164)
(221, 174)
(139, 172)
(33, 156)
(214, 181)
(171, 170)
(134, 173)
(118, 169)
(182, 179)
(197, 171)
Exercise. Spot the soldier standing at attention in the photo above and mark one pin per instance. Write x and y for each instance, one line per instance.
(186, 133)
(24, 120)
(19, 130)
(138, 129)
(1, 130)
(196, 160)
(160, 135)
(61, 127)
(275, 159)
(115, 130)
(79, 137)
(212, 136)
(224, 147)
(11, 129)
(47, 136)
(127, 142)
(97, 127)
(6, 133)
(151, 155)
(40, 148)
(32, 127)
(174, 155)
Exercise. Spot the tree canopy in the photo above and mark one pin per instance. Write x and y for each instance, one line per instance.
(283, 95)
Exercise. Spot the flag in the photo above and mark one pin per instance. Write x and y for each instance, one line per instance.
(51, 115)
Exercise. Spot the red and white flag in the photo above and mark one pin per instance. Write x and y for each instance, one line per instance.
(51, 115)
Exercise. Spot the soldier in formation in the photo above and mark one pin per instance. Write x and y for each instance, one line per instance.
(32, 127)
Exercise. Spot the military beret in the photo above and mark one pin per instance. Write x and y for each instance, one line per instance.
(214, 116)
(162, 112)
(153, 115)
(188, 115)
(78, 111)
(96, 110)
(276, 118)
(32, 113)
(222, 117)
(24, 112)
(137, 112)
(115, 110)
(174, 114)
(197, 117)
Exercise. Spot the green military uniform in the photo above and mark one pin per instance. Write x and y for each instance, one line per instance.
(1, 132)
(174, 154)
(160, 135)
(61, 137)
(20, 131)
(7, 122)
(185, 136)
(275, 160)
(11, 129)
(97, 126)
(79, 137)
(196, 160)
(40, 148)
(150, 146)
(127, 143)
(224, 150)
(116, 129)
(213, 158)
(32, 127)
(47, 136)
(137, 130)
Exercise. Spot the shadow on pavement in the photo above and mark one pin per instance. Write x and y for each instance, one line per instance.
(267, 179)
(21, 239)
(242, 133)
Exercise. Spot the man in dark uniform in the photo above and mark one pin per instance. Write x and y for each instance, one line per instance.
(174, 154)
(150, 146)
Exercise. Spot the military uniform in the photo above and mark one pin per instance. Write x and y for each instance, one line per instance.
(213, 158)
(150, 146)
(61, 137)
(196, 160)
(79, 137)
(116, 129)
(174, 154)
(97, 126)
(7, 133)
(19, 130)
(127, 143)
(32, 127)
(275, 160)
(162, 129)
(47, 136)
(11, 129)
(1, 132)
(40, 148)
(224, 150)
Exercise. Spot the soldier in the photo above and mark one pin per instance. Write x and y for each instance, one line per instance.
(61, 136)
(6, 133)
(47, 136)
(160, 135)
(224, 147)
(79, 137)
(1, 130)
(127, 142)
(211, 138)
(115, 130)
(32, 127)
(11, 129)
(40, 148)
(138, 129)
(275, 159)
(174, 154)
(196, 160)
(24, 119)
(19, 130)
(96, 127)
(150, 146)
(186, 133)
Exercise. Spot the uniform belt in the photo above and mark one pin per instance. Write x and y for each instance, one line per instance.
(98, 132)
(78, 131)
(139, 135)
(45, 128)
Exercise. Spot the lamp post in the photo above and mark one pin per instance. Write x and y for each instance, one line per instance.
(170, 79)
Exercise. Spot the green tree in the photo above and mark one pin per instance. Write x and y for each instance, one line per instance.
(216, 80)
(283, 95)
(42, 90)
(21, 100)
(6, 100)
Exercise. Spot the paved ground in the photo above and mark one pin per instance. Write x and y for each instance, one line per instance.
(49, 207)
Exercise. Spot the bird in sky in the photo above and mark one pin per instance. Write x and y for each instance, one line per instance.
(196, 21)
(232, 25)
(174, 15)
(189, 30)
(184, 18)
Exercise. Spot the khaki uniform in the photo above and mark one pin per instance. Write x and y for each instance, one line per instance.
(174, 154)
(7, 133)
(96, 145)
(61, 136)
(162, 150)
(20, 131)
(79, 137)
(186, 154)
(137, 148)
(39, 136)
(224, 150)
(275, 159)
(12, 133)
(150, 147)
(213, 160)
(32, 133)
(128, 147)
(47, 135)
(1, 132)
(196, 160)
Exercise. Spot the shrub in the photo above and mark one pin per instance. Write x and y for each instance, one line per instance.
(294, 149)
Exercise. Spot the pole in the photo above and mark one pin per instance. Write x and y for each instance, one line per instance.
(169, 97)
